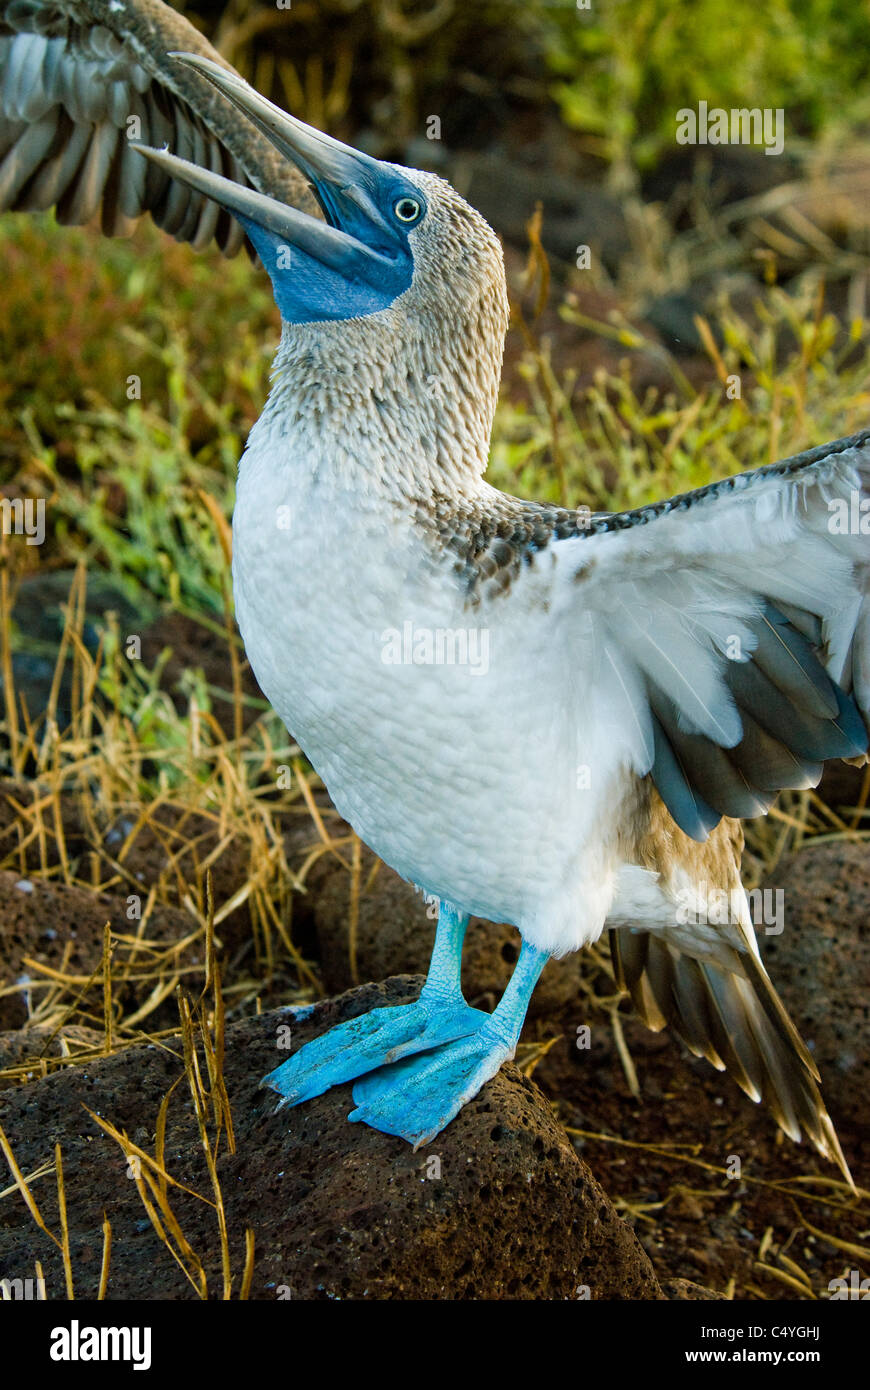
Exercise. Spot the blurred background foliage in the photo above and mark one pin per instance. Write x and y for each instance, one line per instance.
(617, 71)
(628, 65)
(705, 262)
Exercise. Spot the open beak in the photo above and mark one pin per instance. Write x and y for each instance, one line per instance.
(355, 240)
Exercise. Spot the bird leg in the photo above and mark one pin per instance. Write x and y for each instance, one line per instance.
(380, 1037)
(416, 1098)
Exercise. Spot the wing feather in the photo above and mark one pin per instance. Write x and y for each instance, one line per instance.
(720, 1000)
(73, 73)
(739, 615)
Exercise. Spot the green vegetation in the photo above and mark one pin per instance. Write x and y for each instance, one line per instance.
(618, 71)
(625, 68)
(802, 379)
(133, 371)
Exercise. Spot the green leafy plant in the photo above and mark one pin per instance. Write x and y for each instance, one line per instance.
(624, 69)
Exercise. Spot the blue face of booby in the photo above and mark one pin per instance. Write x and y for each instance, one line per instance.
(357, 261)
(375, 208)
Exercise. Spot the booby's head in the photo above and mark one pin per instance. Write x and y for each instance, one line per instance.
(394, 305)
(386, 229)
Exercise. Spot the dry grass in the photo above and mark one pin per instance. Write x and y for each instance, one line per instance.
(202, 1036)
(808, 1194)
(186, 776)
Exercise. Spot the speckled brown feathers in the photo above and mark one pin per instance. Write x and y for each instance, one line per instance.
(494, 535)
(490, 542)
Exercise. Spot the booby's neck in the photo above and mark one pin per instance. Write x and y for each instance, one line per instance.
(390, 405)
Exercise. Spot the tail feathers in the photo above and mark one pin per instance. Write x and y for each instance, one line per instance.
(725, 1008)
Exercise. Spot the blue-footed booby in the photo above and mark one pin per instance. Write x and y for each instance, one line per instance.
(537, 716)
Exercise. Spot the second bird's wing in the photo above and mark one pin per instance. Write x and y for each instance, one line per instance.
(81, 81)
(728, 630)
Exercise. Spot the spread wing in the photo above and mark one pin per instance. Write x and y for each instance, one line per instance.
(728, 630)
(80, 80)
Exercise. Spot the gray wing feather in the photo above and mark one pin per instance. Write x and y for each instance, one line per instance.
(762, 563)
(724, 1007)
(72, 74)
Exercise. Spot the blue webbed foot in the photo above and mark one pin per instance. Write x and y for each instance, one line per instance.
(373, 1040)
(415, 1099)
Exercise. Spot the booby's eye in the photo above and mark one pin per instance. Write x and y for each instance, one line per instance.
(407, 209)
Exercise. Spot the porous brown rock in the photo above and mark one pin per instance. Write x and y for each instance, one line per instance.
(56, 924)
(26, 1047)
(820, 964)
(38, 829)
(684, 1291)
(499, 1206)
